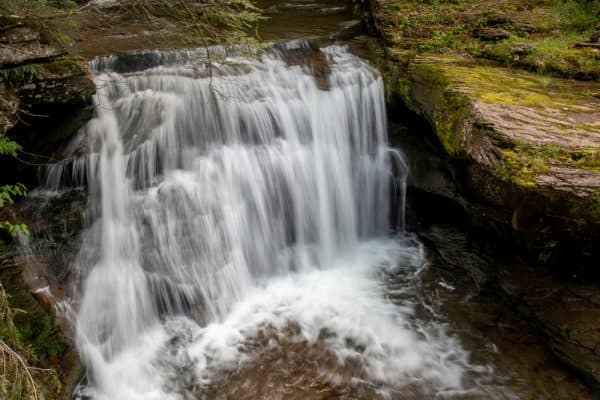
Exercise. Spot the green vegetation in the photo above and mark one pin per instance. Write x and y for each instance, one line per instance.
(19, 74)
(9, 191)
(69, 25)
(526, 161)
(221, 21)
(451, 90)
(53, 20)
(541, 34)
(19, 379)
(35, 362)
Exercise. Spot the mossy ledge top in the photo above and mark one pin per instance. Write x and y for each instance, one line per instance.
(532, 129)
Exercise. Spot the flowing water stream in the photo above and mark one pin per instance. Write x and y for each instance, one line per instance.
(244, 239)
(245, 235)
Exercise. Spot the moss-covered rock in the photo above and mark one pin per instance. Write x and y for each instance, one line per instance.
(539, 36)
(532, 133)
(38, 82)
(521, 149)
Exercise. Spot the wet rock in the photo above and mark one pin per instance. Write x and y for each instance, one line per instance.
(564, 311)
(489, 34)
(452, 245)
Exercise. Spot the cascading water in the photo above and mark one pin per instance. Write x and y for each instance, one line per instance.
(249, 200)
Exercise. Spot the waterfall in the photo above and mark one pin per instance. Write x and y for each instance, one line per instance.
(249, 197)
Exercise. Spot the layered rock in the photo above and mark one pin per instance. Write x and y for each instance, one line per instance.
(519, 156)
(532, 142)
(37, 79)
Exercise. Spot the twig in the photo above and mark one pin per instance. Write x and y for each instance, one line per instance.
(25, 367)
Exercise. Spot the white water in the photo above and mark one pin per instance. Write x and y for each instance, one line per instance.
(228, 206)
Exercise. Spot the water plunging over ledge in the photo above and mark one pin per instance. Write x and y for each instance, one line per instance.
(239, 222)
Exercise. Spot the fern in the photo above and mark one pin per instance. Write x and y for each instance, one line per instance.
(21, 74)
(10, 148)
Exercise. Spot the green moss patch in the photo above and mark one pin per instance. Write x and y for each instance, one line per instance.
(549, 29)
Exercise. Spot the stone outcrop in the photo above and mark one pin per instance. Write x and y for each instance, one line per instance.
(531, 142)
(563, 311)
(38, 83)
(21, 44)
(518, 158)
(44, 99)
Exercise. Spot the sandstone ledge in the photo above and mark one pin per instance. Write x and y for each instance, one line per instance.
(531, 142)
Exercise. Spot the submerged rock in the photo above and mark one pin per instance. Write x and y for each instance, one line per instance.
(564, 311)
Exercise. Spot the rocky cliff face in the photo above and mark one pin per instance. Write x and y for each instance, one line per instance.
(39, 85)
(517, 156)
(530, 143)
(44, 98)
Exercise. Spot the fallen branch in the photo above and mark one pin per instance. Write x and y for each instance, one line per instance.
(590, 45)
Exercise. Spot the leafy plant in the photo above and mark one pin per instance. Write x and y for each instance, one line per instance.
(19, 379)
(8, 192)
(576, 15)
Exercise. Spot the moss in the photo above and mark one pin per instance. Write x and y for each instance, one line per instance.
(31, 333)
(26, 73)
(402, 90)
(497, 85)
(450, 108)
(16, 76)
(451, 122)
(583, 158)
(521, 168)
(448, 27)
(65, 66)
(587, 208)
(555, 54)
(525, 162)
